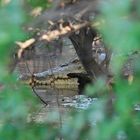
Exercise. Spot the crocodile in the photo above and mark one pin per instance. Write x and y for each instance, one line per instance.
(70, 75)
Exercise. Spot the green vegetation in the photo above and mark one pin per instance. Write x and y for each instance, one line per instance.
(117, 121)
(41, 3)
(14, 99)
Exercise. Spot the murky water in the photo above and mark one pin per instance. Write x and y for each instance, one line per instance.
(60, 103)
(40, 61)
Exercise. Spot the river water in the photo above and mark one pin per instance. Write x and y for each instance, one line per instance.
(60, 101)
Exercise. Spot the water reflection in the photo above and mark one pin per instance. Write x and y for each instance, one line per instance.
(60, 104)
(78, 101)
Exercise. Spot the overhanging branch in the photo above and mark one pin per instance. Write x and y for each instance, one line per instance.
(50, 36)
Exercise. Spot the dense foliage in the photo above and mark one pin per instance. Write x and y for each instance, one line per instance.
(101, 121)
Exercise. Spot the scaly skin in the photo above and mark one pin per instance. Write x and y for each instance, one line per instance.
(57, 80)
(51, 81)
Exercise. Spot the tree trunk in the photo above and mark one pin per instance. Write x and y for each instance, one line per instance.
(82, 42)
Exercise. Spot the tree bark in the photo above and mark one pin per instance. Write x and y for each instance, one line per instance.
(82, 43)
